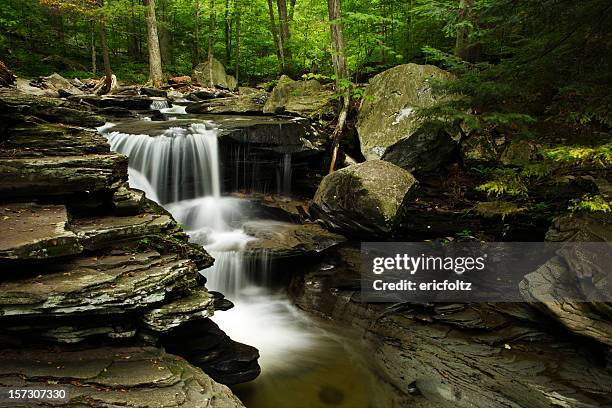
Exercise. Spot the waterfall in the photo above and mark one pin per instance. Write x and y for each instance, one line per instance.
(175, 109)
(181, 164)
(286, 190)
(159, 104)
(180, 170)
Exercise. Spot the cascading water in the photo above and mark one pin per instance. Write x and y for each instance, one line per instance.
(182, 163)
(180, 169)
(160, 104)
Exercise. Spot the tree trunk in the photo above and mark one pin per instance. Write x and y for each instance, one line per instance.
(105, 55)
(291, 9)
(195, 55)
(228, 42)
(339, 60)
(237, 73)
(462, 42)
(275, 37)
(164, 34)
(94, 68)
(211, 39)
(155, 64)
(133, 50)
(283, 31)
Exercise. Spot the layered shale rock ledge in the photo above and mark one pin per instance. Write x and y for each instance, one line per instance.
(114, 376)
(461, 355)
(88, 263)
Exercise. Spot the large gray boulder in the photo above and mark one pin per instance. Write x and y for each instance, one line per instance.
(302, 98)
(387, 114)
(425, 151)
(201, 73)
(365, 198)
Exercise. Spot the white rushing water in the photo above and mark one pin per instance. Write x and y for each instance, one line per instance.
(180, 169)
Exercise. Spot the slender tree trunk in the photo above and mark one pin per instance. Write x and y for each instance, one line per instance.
(275, 36)
(237, 72)
(195, 56)
(94, 68)
(283, 30)
(132, 35)
(463, 33)
(155, 64)
(291, 9)
(339, 59)
(165, 46)
(211, 39)
(228, 42)
(105, 54)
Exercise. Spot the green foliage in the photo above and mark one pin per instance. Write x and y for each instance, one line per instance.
(598, 156)
(507, 182)
(591, 203)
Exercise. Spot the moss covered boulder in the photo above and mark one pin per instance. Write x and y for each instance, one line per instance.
(387, 114)
(201, 74)
(302, 98)
(364, 199)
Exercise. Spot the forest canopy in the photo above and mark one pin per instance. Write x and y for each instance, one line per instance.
(515, 60)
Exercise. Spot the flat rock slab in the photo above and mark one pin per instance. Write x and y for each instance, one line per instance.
(99, 285)
(37, 176)
(115, 376)
(100, 232)
(199, 305)
(281, 240)
(33, 232)
(28, 140)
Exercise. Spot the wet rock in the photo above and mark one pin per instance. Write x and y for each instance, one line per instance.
(302, 98)
(201, 74)
(199, 305)
(99, 232)
(98, 285)
(153, 92)
(115, 376)
(126, 102)
(48, 175)
(203, 344)
(426, 151)
(461, 355)
(110, 266)
(37, 140)
(14, 107)
(365, 198)
(283, 240)
(577, 272)
(128, 201)
(251, 104)
(33, 232)
(387, 114)
(209, 93)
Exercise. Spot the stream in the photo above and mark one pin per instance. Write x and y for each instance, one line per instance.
(304, 362)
